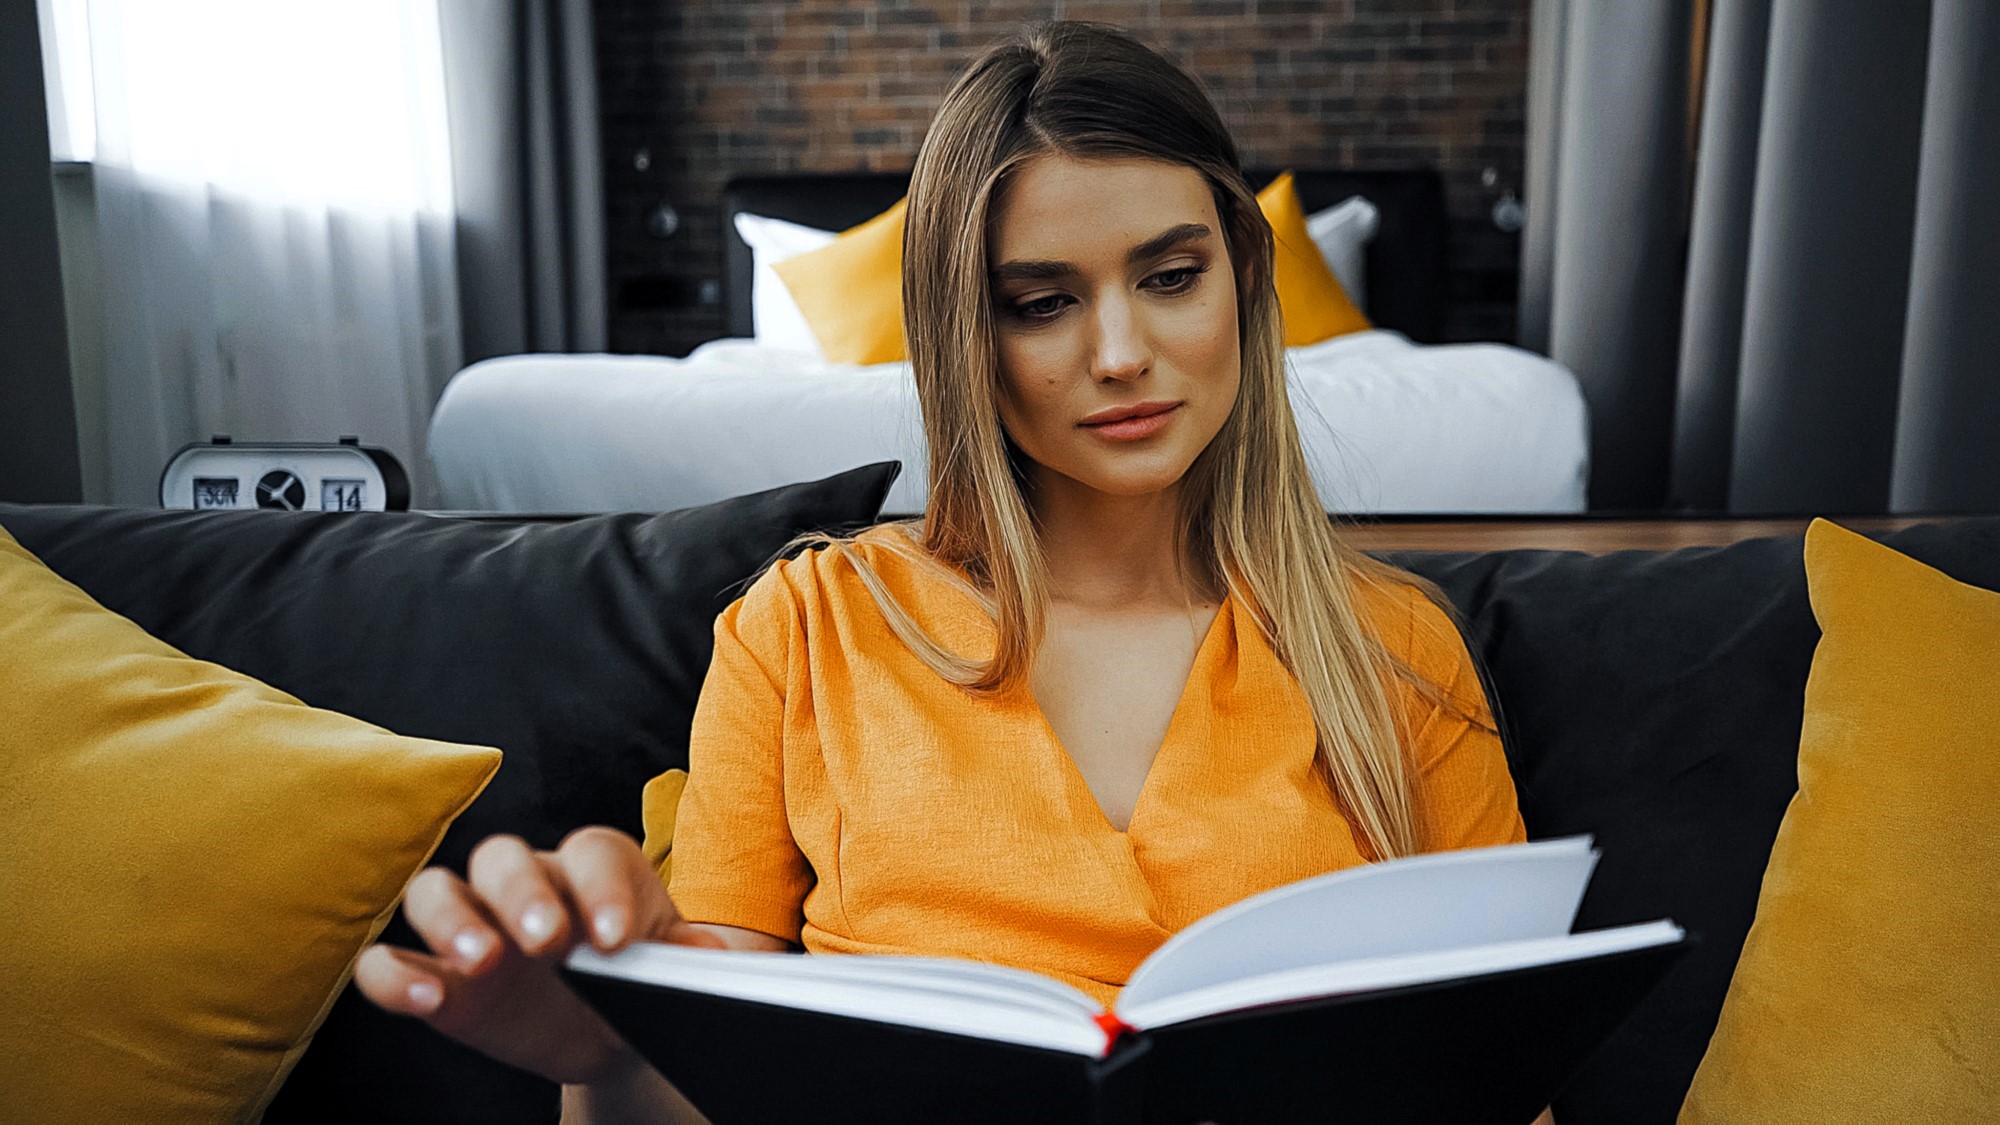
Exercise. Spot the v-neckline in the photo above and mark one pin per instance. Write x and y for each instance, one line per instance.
(1077, 787)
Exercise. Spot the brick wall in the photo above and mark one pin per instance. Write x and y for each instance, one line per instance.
(696, 91)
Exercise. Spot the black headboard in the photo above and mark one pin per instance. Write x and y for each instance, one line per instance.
(1406, 261)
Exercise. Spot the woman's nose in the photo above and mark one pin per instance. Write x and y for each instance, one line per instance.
(1120, 350)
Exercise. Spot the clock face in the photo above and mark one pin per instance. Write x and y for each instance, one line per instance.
(214, 492)
(283, 476)
(281, 488)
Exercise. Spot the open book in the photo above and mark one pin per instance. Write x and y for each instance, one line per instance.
(1443, 986)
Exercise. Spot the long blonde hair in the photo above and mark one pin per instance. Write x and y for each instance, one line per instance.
(1250, 517)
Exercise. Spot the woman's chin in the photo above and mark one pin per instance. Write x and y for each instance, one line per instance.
(1131, 474)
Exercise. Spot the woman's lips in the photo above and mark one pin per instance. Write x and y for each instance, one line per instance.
(1132, 429)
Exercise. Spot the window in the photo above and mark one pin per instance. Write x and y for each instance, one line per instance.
(335, 102)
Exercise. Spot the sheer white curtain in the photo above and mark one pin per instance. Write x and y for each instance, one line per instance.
(272, 223)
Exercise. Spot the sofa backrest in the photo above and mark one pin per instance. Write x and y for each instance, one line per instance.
(1654, 700)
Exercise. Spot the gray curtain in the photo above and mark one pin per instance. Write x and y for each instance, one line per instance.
(1829, 342)
(38, 446)
(521, 84)
(1606, 179)
(1947, 449)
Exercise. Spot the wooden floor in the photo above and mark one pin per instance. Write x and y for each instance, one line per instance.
(1593, 535)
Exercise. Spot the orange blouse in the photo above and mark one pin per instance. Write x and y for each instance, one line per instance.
(843, 796)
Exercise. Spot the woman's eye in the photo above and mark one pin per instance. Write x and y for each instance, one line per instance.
(1170, 282)
(1040, 309)
(1178, 280)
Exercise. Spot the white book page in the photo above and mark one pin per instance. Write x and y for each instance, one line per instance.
(1416, 904)
(1373, 973)
(939, 994)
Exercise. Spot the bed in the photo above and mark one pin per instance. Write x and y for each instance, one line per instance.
(1393, 421)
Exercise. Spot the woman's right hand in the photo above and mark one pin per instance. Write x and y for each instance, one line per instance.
(497, 937)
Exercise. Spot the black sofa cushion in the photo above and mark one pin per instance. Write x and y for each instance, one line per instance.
(1654, 700)
(577, 648)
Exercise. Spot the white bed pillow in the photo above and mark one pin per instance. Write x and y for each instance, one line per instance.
(1342, 233)
(774, 316)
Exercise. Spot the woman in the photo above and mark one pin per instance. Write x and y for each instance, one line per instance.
(1122, 674)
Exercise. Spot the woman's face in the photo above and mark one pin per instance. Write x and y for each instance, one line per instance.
(1112, 290)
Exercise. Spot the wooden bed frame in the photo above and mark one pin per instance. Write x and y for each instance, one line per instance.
(1589, 534)
(1593, 534)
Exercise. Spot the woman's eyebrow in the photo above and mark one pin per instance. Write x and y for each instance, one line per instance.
(1049, 271)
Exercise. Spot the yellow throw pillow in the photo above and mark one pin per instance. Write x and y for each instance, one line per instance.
(1869, 986)
(659, 809)
(192, 862)
(851, 290)
(1315, 307)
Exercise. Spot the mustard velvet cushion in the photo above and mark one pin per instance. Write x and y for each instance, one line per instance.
(193, 861)
(1869, 985)
(851, 290)
(1314, 305)
(659, 807)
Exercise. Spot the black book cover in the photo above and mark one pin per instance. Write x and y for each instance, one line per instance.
(1490, 1048)
(745, 1061)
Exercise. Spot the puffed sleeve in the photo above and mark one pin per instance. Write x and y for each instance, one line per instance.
(729, 856)
(1466, 791)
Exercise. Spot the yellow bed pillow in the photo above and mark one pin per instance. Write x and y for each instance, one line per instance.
(193, 861)
(1869, 986)
(1314, 305)
(850, 291)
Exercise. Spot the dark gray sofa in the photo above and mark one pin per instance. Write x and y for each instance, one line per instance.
(1652, 699)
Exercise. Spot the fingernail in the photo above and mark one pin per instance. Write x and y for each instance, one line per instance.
(471, 946)
(425, 995)
(539, 923)
(610, 925)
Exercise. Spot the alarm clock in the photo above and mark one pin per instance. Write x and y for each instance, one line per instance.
(344, 476)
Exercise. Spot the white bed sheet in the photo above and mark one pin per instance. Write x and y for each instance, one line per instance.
(1389, 426)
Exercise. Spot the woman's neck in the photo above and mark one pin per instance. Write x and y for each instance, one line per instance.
(1109, 552)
